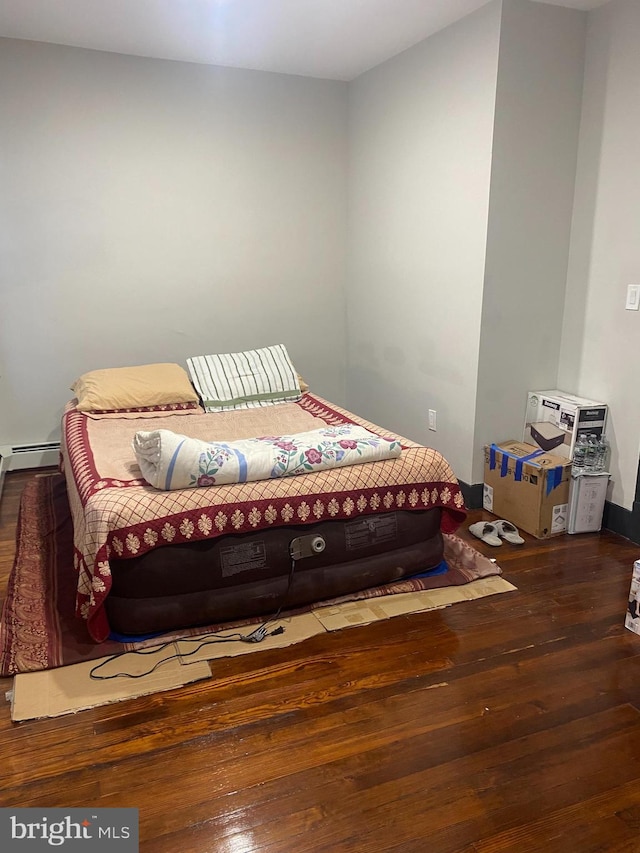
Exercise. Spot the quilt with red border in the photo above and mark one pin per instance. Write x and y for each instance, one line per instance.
(117, 514)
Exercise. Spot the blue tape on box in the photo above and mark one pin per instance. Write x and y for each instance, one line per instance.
(519, 460)
(554, 477)
(522, 460)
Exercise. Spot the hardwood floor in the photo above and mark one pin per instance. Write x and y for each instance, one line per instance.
(511, 723)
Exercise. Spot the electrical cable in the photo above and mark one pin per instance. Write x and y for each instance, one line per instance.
(256, 636)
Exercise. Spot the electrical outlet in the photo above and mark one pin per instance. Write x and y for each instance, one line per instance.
(432, 419)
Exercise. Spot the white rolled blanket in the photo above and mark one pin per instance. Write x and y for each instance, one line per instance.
(172, 461)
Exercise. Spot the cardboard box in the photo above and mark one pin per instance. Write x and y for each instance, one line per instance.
(554, 419)
(528, 487)
(587, 495)
(632, 618)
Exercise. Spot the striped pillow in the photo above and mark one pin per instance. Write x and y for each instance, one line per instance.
(245, 380)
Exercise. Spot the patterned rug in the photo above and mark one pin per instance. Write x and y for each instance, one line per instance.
(38, 628)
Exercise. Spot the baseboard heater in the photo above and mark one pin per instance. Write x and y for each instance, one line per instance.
(18, 457)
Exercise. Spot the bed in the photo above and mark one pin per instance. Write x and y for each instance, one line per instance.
(150, 560)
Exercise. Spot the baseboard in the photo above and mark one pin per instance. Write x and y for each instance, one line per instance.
(617, 519)
(3, 470)
(625, 522)
(472, 494)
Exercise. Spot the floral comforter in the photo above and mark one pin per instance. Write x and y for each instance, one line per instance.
(117, 514)
(169, 460)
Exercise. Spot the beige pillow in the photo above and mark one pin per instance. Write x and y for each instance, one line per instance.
(142, 387)
(303, 385)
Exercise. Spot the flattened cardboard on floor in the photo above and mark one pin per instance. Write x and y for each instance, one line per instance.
(528, 487)
(67, 689)
(354, 613)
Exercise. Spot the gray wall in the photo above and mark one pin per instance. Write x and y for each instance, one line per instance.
(420, 137)
(600, 340)
(152, 210)
(537, 121)
(462, 169)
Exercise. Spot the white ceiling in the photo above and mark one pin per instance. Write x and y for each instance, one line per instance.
(334, 39)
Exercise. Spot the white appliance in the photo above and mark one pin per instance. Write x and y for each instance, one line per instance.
(587, 495)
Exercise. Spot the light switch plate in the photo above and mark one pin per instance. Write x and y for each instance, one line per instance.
(633, 297)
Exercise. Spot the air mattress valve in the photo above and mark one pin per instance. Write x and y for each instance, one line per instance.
(306, 546)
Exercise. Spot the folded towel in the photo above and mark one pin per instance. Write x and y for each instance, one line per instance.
(172, 461)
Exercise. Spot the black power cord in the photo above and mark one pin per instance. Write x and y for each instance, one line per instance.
(256, 636)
